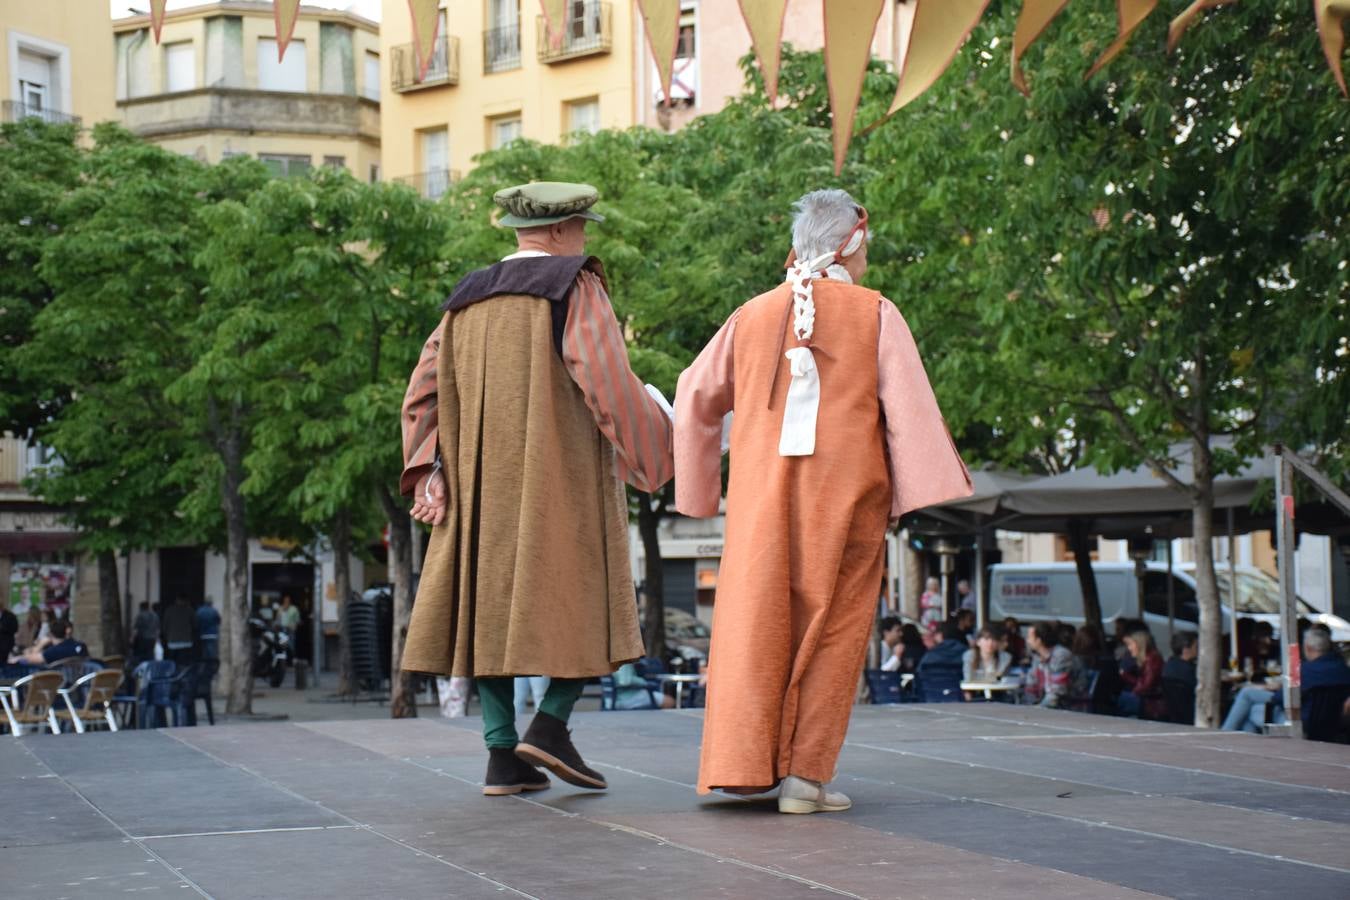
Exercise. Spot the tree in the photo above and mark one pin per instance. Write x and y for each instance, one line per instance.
(1149, 262)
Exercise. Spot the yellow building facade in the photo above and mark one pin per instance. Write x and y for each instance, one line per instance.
(494, 77)
(214, 86)
(56, 61)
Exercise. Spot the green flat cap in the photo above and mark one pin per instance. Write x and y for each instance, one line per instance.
(546, 202)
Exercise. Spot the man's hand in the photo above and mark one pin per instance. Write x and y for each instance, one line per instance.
(429, 502)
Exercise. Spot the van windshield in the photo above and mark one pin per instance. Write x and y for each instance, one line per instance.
(1258, 594)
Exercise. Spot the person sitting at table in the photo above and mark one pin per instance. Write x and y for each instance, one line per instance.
(632, 692)
(1052, 667)
(1092, 657)
(987, 661)
(56, 651)
(1325, 683)
(1012, 638)
(1249, 711)
(1143, 683)
(965, 620)
(892, 650)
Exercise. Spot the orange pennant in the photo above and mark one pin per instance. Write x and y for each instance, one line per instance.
(1188, 15)
(663, 36)
(1130, 14)
(1035, 17)
(426, 21)
(1331, 18)
(764, 18)
(555, 21)
(284, 12)
(939, 29)
(849, 26)
(157, 16)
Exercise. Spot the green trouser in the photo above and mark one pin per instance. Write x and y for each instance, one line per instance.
(498, 696)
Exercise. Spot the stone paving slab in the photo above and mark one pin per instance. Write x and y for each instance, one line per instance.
(87, 869)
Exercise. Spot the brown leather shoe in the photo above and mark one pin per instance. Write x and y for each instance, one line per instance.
(548, 743)
(508, 774)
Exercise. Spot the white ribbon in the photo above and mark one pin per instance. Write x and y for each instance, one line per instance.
(798, 436)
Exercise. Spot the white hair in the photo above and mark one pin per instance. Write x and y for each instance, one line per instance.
(821, 221)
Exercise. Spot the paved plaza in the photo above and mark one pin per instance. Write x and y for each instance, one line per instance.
(950, 801)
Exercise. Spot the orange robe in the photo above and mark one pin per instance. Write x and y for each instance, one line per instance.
(805, 534)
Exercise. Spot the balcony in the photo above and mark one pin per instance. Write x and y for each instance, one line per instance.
(587, 32)
(431, 185)
(501, 48)
(443, 69)
(248, 111)
(16, 110)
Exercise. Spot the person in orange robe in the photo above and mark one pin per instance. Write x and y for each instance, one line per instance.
(836, 433)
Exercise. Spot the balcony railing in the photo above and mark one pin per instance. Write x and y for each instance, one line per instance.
(587, 31)
(501, 48)
(431, 185)
(14, 110)
(442, 70)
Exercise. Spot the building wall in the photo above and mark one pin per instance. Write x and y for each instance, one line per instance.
(75, 34)
(538, 92)
(227, 108)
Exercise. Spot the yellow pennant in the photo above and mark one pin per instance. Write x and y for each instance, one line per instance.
(764, 18)
(849, 25)
(939, 29)
(1130, 14)
(555, 21)
(1188, 15)
(285, 12)
(663, 34)
(425, 22)
(1035, 17)
(157, 16)
(1331, 18)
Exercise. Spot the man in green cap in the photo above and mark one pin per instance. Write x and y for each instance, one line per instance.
(520, 422)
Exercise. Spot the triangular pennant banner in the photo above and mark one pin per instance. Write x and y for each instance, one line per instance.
(555, 21)
(1331, 18)
(285, 13)
(1035, 17)
(663, 35)
(939, 29)
(1130, 14)
(1188, 15)
(426, 20)
(157, 16)
(764, 18)
(849, 26)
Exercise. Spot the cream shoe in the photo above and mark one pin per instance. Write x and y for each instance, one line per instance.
(797, 795)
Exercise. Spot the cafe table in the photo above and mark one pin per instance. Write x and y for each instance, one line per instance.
(679, 681)
(989, 688)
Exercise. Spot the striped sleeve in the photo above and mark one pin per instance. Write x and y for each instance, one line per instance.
(420, 417)
(596, 357)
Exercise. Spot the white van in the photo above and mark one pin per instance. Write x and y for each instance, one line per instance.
(1033, 592)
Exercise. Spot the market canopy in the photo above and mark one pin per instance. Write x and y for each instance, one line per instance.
(934, 29)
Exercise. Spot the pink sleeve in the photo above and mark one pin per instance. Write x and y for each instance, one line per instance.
(596, 357)
(704, 396)
(926, 468)
(420, 416)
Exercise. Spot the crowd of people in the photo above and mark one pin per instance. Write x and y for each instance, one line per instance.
(42, 638)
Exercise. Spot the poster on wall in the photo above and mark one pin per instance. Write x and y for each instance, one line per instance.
(44, 585)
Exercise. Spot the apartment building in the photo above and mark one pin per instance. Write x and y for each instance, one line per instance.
(56, 61)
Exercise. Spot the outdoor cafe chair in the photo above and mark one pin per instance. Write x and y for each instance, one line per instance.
(883, 686)
(31, 701)
(99, 689)
(1180, 699)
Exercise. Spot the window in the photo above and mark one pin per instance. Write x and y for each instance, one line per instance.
(370, 76)
(504, 130)
(501, 42)
(284, 165)
(284, 75)
(583, 116)
(335, 162)
(686, 46)
(180, 67)
(1155, 597)
(374, 172)
(35, 82)
(133, 64)
(224, 52)
(337, 66)
(435, 162)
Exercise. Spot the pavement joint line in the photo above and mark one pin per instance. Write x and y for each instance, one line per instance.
(1098, 823)
(1079, 735)
(651, 836)
(1245, 751)
(193, 834)
(910, 709)
(177, 873)
(363, 826)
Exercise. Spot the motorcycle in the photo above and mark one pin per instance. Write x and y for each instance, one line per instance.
(272, 651)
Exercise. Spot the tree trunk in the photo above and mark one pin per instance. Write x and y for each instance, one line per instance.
(402, 697)
(238, 656)
(654, 618)
(112, 633)
(1207, 695)
(1079, 540)
(342, 582)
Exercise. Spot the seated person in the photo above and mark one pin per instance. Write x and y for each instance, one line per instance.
(1012, 636)
(892, 650)
(57, 650)
(1052, 667)
(1249, 710)
(907, 652)
(942, 664)
(1181, 667)
(1143, 694)
(1092, 658)
(987, 661)
(965, 620)
(1323, 670)
(631, 691)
